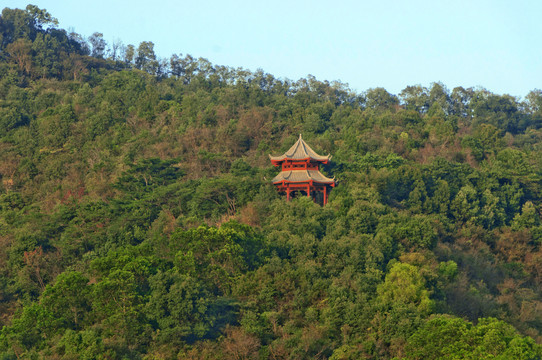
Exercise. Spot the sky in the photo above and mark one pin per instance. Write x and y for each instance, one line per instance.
(492, 44)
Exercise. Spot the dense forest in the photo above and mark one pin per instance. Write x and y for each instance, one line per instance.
(137, 217)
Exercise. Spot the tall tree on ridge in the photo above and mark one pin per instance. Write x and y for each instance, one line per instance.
(146, 58)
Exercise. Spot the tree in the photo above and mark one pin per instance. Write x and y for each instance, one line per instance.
(379, 98)
(117, 305)
(12, 118)
(40, 17)
(29, 331)
(98, 45)
(439, 95)
(116, 49)
(402, 303)
(415, 98)
(460, 99)
(445, 337)
(84, 345)
(80, 41)
(528, 219)
(501, 111)
(146, 59)
(417, 197)
(534, 101)
(21, 52)
(183, 67)
(48, 56)
(68, 299)
(180, 306)
(465, 206)
(148, 174)
(129, 54)
(18, 24)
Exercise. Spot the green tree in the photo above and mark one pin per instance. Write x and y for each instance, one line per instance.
(98, 45)
(415, 98)
(445, 337)
(181, 307)
(68, 299)
(129, 54)
(439, 96)
(402, 303)
(117, 305)
(85, 344)
(24, 24)
(466, 205)
(529, 217)
(379, 98)
(29, 331)
(145, 58)
(417, 197)
(461, 98)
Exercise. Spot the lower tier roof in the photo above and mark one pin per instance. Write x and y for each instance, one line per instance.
(302, 176)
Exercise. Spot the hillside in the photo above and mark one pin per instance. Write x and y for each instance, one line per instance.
(137, 217)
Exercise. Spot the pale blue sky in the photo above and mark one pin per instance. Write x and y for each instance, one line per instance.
(391, 44)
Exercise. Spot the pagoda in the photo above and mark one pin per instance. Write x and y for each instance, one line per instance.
(300, 172)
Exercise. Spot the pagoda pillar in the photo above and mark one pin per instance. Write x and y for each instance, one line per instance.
(325, 195)
(308, 191)
(288, 193)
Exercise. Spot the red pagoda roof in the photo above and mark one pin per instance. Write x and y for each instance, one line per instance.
(300, 151)
(294, 176)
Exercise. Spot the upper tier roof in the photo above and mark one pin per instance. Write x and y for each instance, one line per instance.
(300, 151)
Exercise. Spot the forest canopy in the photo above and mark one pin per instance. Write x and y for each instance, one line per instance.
(137, 217)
